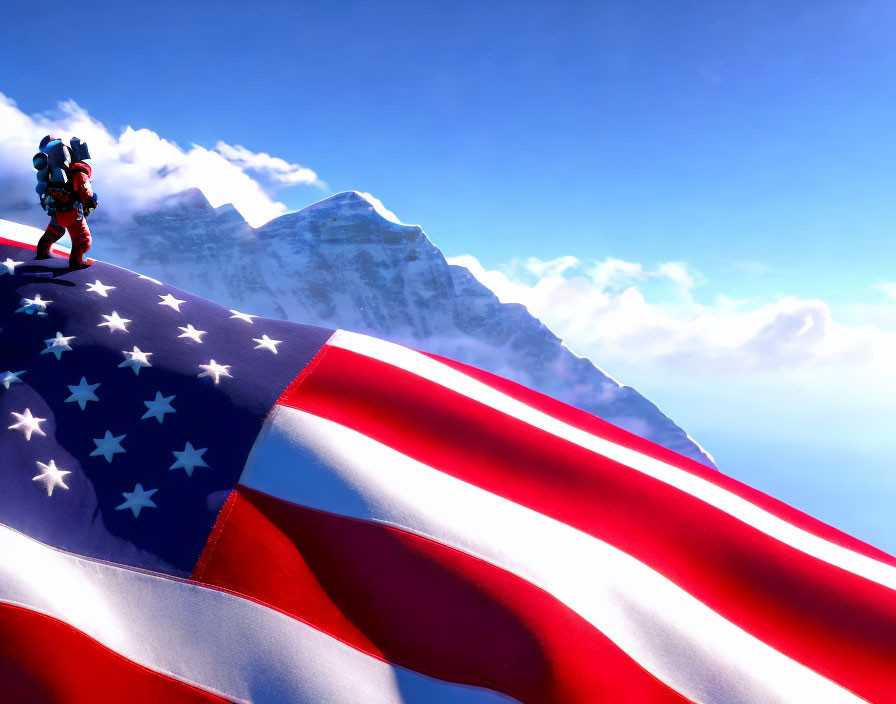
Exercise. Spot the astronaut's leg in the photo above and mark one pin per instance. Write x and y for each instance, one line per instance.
(80, 235)
(48, 239)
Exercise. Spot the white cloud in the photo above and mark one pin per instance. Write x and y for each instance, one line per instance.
(277, 169)
(611, 272)
(554, 267)
(612, 310)
(136, 168)
(888, 289)
(680, 274)
(507, 290)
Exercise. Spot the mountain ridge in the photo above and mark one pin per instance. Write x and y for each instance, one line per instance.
(344, 262)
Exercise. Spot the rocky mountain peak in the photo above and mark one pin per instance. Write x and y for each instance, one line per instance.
(348, 262)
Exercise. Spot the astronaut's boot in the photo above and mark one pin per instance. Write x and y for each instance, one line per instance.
(47, 240)
(76, 258)
(80, 235)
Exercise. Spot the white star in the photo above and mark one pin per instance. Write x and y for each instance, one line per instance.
(264, 342)
(108, 446)
(149, 278)
(10, 378)
(243, 316)
(158, 407)
(27, 423)
(51, 477)
(171, 302)
(100, 288)
(192, 333)
(34, 306)
(213, 369)
(57, 345)
(82, 393)
(189, 459)
(137, 500)
(115, 322)
(8, 267)
(136, 360)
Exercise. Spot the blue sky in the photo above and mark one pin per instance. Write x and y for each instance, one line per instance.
(716, 132)
(751, 142)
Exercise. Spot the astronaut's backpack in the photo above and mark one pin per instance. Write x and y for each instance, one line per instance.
(54, 184)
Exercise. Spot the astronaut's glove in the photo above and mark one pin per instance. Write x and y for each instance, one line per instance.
(90, 204)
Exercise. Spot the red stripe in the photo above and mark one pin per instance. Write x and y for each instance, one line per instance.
(596, 426)
(16, 243)
(46, 661)
(835, 622)
(421, 605)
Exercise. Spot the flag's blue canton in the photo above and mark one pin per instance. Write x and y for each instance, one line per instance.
(136, 469)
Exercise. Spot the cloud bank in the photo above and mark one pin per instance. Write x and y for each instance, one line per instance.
(139, 167)
(649, 317)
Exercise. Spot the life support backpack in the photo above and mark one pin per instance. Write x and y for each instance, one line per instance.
(54, 183)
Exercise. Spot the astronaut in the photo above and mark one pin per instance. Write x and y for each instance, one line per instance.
(63, 183)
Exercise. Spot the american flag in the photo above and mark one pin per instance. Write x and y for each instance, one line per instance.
(201, 505)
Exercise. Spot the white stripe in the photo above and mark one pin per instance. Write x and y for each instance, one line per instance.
(27, 235)
(722, 499)
(317, 463)
(211, 639)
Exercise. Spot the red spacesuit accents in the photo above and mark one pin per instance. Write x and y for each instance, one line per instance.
(72, 219)
(80, 166)
(76, 224)
(80, 175)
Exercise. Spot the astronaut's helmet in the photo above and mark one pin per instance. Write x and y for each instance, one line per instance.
(46, 140)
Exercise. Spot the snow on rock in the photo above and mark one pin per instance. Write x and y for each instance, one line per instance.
(348, 262)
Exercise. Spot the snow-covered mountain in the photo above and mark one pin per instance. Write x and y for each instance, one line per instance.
(347, 262)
